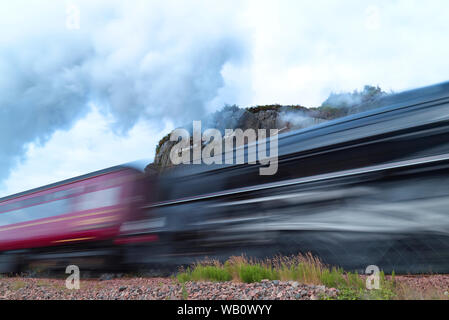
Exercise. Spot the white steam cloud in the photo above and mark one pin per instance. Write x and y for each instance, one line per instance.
(135, 60)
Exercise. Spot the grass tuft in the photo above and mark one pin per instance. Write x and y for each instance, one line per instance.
(305, 269)
(205, 273)
(19, 284)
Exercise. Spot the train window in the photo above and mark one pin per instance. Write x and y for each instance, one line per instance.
(41, 211)
(36, 200)
(32, 201)
(98, 199)
(10, 206)
(19, 204)
(65, 193)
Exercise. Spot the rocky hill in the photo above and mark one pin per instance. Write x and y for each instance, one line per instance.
(283, 118)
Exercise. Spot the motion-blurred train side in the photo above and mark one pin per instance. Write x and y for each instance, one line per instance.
(72, 220)
(368, 189)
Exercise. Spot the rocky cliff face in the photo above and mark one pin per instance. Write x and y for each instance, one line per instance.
(283, 118)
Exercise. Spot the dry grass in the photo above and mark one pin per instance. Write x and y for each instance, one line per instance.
(407, 292)
(306, 269)
(18, 284)
(44, 283)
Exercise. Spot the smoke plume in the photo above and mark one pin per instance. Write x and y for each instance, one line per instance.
(153, 60)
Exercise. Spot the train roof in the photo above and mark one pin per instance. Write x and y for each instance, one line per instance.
(296, 140)
(74, 179)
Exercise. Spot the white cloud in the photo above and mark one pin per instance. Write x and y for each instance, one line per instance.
(303, 50)
(147, 64)
(89, 146)
(139, 60)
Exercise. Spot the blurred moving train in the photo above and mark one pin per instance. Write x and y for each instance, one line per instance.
(368, 189)
(72, 219)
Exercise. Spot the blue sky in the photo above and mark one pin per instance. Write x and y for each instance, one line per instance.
(78, 95)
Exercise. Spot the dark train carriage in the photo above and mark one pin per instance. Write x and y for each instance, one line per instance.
(78, 217)
(371, 188)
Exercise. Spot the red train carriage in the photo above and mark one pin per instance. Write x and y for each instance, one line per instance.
(73, 218)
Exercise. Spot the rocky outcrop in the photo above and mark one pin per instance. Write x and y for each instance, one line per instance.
(161, 158)
(284, 118)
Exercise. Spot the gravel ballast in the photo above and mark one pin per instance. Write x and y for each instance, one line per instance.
(158, 289)
(107, 287)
